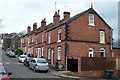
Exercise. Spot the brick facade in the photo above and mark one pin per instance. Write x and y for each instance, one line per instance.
(76, 38)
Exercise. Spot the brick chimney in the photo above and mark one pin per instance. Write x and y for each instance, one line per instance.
(43, 23)
(34, 26)
(66, 15)
(28, 29)
(56, 17)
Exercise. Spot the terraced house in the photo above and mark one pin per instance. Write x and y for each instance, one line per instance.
(66, 41)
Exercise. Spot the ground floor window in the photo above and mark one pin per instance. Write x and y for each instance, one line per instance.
(91, 52)
(102, 52)
(59, 53)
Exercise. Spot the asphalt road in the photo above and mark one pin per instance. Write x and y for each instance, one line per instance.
(20, 71)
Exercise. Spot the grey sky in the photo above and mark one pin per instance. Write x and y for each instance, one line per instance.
(16, 15)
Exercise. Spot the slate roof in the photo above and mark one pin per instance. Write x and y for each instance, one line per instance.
(90, 10)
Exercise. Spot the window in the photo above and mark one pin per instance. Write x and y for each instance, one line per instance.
(39, 52)
(42, 51)
(42, 37)
(102, 37)
(59, 53)
(102, 52)
(49, 53)
(49, 38)
(32, 38)
(91, 19)
(91, 52)
(59, 35)
(36, 39)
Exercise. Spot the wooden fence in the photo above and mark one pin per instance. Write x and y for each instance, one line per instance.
(97, 63)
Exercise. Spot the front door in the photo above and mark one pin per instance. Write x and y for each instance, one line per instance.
(39, 53)
(52, 59)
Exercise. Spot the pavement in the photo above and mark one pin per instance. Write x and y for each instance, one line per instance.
(62, 74)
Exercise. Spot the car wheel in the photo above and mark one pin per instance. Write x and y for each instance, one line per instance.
(29, 67)
(34, 70)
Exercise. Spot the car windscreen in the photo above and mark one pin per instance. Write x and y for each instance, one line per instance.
(2, 69)
(23, 56)
(42, 61)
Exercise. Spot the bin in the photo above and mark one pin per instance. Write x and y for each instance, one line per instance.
(108, 73)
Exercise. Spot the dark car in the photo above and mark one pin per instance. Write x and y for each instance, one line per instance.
(26, 61)
(4, 74)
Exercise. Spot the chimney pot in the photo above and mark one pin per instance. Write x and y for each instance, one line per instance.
(34, 26)
(28, 29)
(66, 15)
(43, 23)
(56, 17)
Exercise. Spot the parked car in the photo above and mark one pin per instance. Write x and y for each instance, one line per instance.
(40, 64)
(11, 54)
(21, 58)
(4, 74)
(27, 61)
(8, 53)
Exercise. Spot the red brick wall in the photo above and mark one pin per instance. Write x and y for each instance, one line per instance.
(116, 52)
(80, 49)
(80, 30)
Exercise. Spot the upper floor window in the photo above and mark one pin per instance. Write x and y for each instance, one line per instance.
(49, 37)
(36, 37)
(42, 37)
(91, 19)
(59, 35)
(102, 37)
(59, 53)
(32, 38)
(91, 52)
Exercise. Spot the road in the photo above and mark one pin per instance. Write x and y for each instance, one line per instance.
(19, 71)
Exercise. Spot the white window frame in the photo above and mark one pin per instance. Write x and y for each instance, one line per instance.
(91, 20)
(39, 52)
(102, 50)
(59, 35)
(32, 38)
(42, 51)
(42, 37)
(59, 53)
(48, 57)
(91, 52)
(49, 37)
(102, 37)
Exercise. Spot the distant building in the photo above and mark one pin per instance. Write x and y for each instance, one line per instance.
(11, 40)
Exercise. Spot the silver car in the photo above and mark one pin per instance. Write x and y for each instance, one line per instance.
(40, 64)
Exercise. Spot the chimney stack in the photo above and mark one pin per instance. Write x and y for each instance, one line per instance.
(43, 23)
(66, 15)
(34, 26)
(56, 17)
(28, 29)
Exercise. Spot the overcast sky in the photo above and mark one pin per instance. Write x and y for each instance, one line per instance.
(16, 15)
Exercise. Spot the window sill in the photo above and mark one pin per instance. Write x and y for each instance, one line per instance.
(91, 24)
(58, 60)
(58, 41)
(102, 43)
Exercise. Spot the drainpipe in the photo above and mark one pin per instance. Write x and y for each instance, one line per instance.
(66, 43)
(112, 43)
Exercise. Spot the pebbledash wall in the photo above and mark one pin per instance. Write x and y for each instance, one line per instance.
(83, 35)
